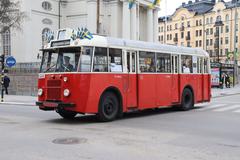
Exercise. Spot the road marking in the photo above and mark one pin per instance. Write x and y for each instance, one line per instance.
(17, 103)
(227, 108)
(212, 107)
(237, 111)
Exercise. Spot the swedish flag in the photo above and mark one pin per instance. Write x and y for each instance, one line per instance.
(154, 3)
(131, 3)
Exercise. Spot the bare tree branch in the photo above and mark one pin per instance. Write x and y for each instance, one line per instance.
(10, 15)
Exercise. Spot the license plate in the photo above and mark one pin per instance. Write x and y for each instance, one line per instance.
(50, 104)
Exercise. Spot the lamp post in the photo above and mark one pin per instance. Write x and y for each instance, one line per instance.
(235, 50)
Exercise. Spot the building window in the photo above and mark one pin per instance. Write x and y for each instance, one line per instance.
(207, 21)
(196, 22)
(46, 6)
(6, 42)
(188, 24)
(176, 26)
(200, 43)
(182, 35)
(211, 42)
(207, 32)
(211, 20)
(227, 18)
(207, 42)
(44, 38)
(200, 32)
(226, 40)
(236, 39)
(211, 31)
(200, 22)
(196, 33)
(196, 43)
(236, 27)
(218, 19)
(227, 29)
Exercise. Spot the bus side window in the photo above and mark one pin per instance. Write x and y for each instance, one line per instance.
(147, 61)
(86, 58)
(100, 60)
(115, 60)
(205, 66)
(163, 63)
(187, 64)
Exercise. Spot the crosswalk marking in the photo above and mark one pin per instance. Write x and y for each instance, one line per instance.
(212, 107)
(227, 108)
(237, 111)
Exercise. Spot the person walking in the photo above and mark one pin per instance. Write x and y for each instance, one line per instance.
(6, 81)
(227, 81)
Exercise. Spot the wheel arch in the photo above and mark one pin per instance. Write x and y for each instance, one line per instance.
(191, 89)
(118, 93)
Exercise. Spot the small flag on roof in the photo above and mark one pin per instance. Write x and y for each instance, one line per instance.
(154, 3)
(131, 3)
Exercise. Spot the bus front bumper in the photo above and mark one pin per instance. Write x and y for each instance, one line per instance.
(47, 106)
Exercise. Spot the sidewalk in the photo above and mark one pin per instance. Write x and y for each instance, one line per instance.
(217, 92)
(30, 100)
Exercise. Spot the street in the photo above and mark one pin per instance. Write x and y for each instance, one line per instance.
(210, 131)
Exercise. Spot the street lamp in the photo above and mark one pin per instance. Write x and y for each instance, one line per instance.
(235, 47)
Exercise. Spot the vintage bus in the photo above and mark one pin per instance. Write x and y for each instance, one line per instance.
(109, 76)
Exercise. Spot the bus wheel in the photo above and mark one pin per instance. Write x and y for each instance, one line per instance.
(108, 107)
(66, 114)
(187, 100)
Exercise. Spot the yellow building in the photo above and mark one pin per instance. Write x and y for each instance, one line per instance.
(205, 24)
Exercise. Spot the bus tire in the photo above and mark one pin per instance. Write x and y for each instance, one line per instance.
(108, 108)
(187, 102)
(66, 114)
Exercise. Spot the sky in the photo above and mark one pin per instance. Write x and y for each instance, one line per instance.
(171, 6)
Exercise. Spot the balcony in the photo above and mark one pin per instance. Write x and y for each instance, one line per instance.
(182, 28)
(175, 39)
(216, 34)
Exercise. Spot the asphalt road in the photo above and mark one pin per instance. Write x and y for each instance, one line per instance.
(210, 131)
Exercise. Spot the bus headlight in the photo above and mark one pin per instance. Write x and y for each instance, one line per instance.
(66, 92)
(40, 92)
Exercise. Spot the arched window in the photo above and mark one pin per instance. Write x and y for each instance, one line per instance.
(227, 18)
(6, 42)
(47, 6)
(44, 38)
(218, 19)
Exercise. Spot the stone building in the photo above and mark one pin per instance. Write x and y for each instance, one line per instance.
(208, 24)
(115, 20)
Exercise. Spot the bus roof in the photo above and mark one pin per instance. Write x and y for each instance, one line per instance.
(101, 41)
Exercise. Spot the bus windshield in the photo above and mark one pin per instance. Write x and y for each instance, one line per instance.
(66, 60)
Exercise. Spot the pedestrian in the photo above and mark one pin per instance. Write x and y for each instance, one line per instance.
(227, 81)
(6, 81)
(222, 81)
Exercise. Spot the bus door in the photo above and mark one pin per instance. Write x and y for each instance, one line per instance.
(175, 78)
(132, 80)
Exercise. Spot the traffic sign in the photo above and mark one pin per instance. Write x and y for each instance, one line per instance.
(10, 61)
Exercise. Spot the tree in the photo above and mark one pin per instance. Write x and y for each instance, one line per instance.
(10, 15)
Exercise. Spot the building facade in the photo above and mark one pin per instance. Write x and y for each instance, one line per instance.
(114, 19)
(208, 24)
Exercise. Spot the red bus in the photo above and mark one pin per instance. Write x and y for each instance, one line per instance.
(109, 76)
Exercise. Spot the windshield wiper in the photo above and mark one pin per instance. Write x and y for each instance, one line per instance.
(50, 68)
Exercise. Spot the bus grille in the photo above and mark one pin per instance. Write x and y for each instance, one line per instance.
(54, 90)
